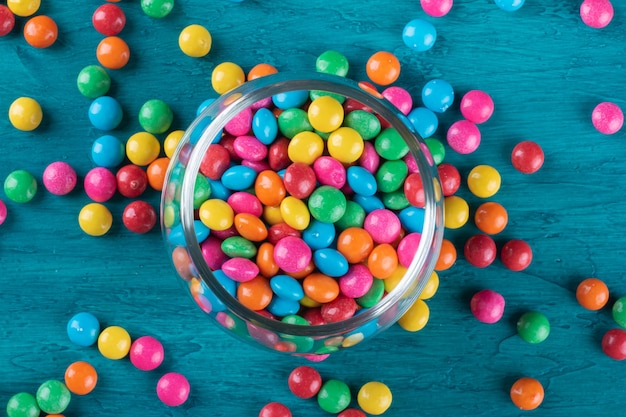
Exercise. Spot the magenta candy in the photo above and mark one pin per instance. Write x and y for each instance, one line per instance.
(477, 106)
(265, 102)
(59, 178)
(436, 8)
(464, 137)
(100, 184)
(3, 212)
(226, 233)
(317, 357)
(400, 98)
(292, 254)
(427, 154)
(356, 282)
(240, 124)
(407, 248)
(173, 389)
(242, 202)
(240, 269)
(410, 162)
(329, 171)
(607, 118)
(339, 309)
(257, 166)
(596, 13)
(146, 353)
(487, 306)
(369, 159)
(383, 225)
(249, 148)
(212, 253)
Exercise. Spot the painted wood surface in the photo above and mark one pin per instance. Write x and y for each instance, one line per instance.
(545, 70)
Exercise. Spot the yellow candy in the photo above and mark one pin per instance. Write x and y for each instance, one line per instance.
(394, 279)
(305, 147)
(484, 181)
(455, 212)
(142, 148)
(216, 214)
(171, 142)
(95, 219)
(415, 317)
(325, 114)
(295, 213)
(25, 114)
(114, 342)
(431, 287)
(227, 76)
(24, 8)
(272, 215)
(345, 144)
(374, 398)
(195, 41)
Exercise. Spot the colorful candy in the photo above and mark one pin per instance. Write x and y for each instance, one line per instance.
(374, 398)
(155, 116)
(304, 382)
(447, 256)
(195, 41)
(416, 317)
(25, 114)
(81, 378)
(491, 218)
(614, 344)
(7, 20)
(107, 151)
(59, 178)
(226, 76)
(113, 52)
(83, 329)
(509, 5)
(618, 311)
(527, 157)
(100, 184)
(157, 8)
(436, 8)
(41, 31)
(108, 19)
(275, 409)
(456, 212)
(114, 342)
(142, 148)
(516, 255)
(23, 404)
(53, 397)
(437, 95)
(93, 81)
(334, 396)
(484, 181)
(477, 106)
(146, 353)
(105, 113)
(24, 8)
(132, 181)
(487, 306)
(139, 217)
(527, 393)
(463, 136)
(20, 186)
(607, 118)
(173, 389)
(3, 212)
(480, 250)
(419, 35)
(533, 327)
(592, 293)
(383, 68)
(596, 13)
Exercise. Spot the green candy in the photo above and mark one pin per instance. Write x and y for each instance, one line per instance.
(201, 191)
(354, 216)
(332, 62)
(303, 343)
(395, 200)
(23, 404)
(20, 186)
(327, 204)
(319, 93)
(93, 81)
(390, 145)
(390, 176)
(363, 122)
(293, 121)
(238, 247)
(155, 116)
(373, 295)
(533, 327)
(157, 8)
(437, 150)
(295, 319)
(334, 396)
(619, 311)
(53, 397)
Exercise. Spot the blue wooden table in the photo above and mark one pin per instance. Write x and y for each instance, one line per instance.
(543, 67)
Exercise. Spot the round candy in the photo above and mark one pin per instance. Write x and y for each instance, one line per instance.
(607, 118)
(419, 35)
(171, 142)
(477, 106)
(53, 397)
(527, 157)
(132, 181)
(139, 217)
(463, 136)
(7, 20)
(114, 342)
(334, 396)
(81, 378)
(59, 178)
(487, 306)
(275, 409)
(483, 181)
(619, 311)
(516, 255)
(107, 151)
(105, 113)
(450, 178)
(3, 212)
(437, 95)
(527, 393)
(100, 184)
(95, 219)
(596, 13)
(24, 8)
(226, 76)
(156, 176)
(332, 62)
(41, 31)
(157, 8)
(424, 120)
(93, 81)
(20, 186)
(480, 251)
(374, 398)
(113, 52)
(173, 389)
(416, 317)
(509, 5)
(383, 68)
(142, 148)
(23, 404)
(614, 344)
(325, 114)
(436, 8)
(146, 353)
(83, 329)
(304, 382)
(592, 294)
(155, 116)
(108, 19)
(447, 256)
(491, 218)
(456, 212)
(431, 287)
(25, 114)
(195, 41)
(533, 327)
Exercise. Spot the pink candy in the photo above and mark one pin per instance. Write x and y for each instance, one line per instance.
(100, 184)
(356, 282)
(212, 253)
(249, 148)
(59, 178)
(464, 137)
(240, 124)
(369, 157)
(596, 13)
(407, 248)
(607, 118)
(292, 254)
(3, 212)
(436, 8)
(146, 353)
(240, 269)
(242, 202)
(400, 98)
(173, 389)
(383, 225)
(477, 106)
(487, 306)
(329, 171)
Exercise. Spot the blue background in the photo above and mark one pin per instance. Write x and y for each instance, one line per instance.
(543, 67)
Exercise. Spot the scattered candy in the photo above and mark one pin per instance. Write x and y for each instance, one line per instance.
(139, 217)
(59, 178)
(509, 5)
(195, 41)
(456, 212)
(132, 181)
(447, 256)
(533, 327)
(83, 329)
(24, 8)
(95, 219)
(607, 118)
(113, 52)
(331, 62)
(81, 378)
(142, 148)
(419, 35)
(416, 317)
(491, 218)
(7, 20)
(157, 8)
(424, 120)
(480, 250)
(105, 113)
(334, 396)
(20, 186)
(527, 393)
(484, 181)
(108, 151)
(93, 81)
(436, 8)
(41, 31)
(477, 106)
(437, 95)
(596, 13)
(146, 353)
(374, 398)
(25, 114)
(487, 306)
(100, 184)
(383, 68)
(618, 311)
(23, 404)
(53, 397)
(516, 255)
(527, 157)
(109, 19)
(275, 409)
(592, 294)
(155, 116)
(226, 76)
(614, 344)
(463, 136)
(304, 382)
(431, 287)
(3, 212)
(173, 389)
(114, 342)
(450, 178)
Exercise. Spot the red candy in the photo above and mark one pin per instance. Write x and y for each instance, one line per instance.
(109, 19)
(215, 161)
(480, 251)
(516, 255)
(339, 309)
(527, 157)
(132, 181)
(614, 344)
(450, 179)
(139, 217)
(7, 20)
(300, 180)
(414, 190)
(351, 412)
(275, 409)
(304, 382)
(278, 156)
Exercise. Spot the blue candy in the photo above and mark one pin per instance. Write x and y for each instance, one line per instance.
(437, 95)
(509, 5)
(412, 219)
(265, 126)
(83, 329)
(368, 203)
(286, 287)
(177, 238)
(419, 35)
(283, 307)
(105, 113)
(361, 181)
(319, 235)
(238, 177)
(425, 121)
(218, 190)
(204, 105)
(330, 262)
(108, 151)
(290, 99)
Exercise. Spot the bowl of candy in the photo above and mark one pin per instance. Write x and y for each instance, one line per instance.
(302, 212)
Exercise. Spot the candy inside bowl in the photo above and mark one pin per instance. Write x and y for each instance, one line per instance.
(302, 212)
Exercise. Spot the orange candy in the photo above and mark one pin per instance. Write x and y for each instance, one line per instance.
(113, 52)
(355, 244)
(527, 393)
(81, 378)
(382, 261)
(261, 70)
(321, 288)
(491, 218)
(592, 293)
(41, 31)
(269, 188)
(156, 172)
(305, 272)
(265, 260)
(250, 227)
(182, 262)
(447, 256)
(383, 68)
(255, 294)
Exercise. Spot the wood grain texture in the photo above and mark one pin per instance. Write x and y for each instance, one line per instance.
(545, 70)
